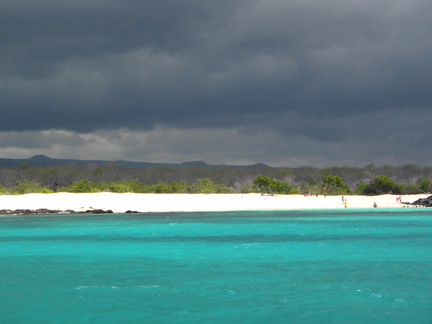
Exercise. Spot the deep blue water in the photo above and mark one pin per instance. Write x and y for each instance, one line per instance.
(372, 266)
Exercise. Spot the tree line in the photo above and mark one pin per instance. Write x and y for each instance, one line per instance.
(368, 180)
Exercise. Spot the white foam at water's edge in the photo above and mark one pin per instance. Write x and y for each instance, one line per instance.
(114, 287)
(86, 287)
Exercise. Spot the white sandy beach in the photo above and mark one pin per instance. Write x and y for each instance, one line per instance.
(122, 202)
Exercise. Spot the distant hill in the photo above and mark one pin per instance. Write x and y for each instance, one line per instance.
(195, 163)
(43, 160)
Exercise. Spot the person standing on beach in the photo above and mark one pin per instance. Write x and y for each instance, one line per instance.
(346, 203)
(325, 191)
(343, 199)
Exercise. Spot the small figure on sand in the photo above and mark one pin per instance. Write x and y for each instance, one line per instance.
(399, 199)
(375, 205)
(346, 203)
(325, 191)
(343, 199)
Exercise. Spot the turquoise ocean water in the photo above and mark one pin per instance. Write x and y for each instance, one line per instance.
(337, 266)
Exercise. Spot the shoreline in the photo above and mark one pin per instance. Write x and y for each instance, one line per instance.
(104, 202)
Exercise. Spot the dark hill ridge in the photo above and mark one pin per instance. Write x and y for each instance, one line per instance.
(195, 163)
(43, 160)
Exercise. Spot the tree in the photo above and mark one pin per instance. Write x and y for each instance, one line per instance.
(207, 186)
(164, 178)
(381, 185)
(268, 184)
(410, 188)
(82, 185)
(309, 185)
(263, 183)
(335, 185)
(24, 187)
(283, 187)
(424, 184)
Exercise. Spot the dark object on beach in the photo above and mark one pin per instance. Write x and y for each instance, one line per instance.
(29, 211)
(41, 211)
(425, 202)
(98, 211)
(132, 212)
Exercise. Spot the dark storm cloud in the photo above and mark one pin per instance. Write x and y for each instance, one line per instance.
(319, 70)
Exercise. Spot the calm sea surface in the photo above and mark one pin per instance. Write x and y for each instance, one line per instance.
(372, 266)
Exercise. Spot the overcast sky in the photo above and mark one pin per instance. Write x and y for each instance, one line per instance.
(282, 82)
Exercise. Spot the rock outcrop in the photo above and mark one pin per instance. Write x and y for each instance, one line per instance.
(425, 202)
(51, 211)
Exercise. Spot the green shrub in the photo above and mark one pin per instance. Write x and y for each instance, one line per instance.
(424, 184)
(380, 185)
(207, 186)
(335, 185)
(3, 189)
(81, 186)
(25, 187)
(266, 184)
(410, 188)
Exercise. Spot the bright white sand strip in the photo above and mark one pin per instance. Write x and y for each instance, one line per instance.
(121, 202)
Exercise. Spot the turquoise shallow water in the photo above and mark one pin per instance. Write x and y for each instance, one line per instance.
(233, 267)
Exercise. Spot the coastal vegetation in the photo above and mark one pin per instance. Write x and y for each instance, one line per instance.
(93, 177)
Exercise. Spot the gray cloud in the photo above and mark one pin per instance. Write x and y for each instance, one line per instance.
(331, 75)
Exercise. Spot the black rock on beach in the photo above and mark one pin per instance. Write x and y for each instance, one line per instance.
(425, 202)
(51, 211)
(28, 211)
